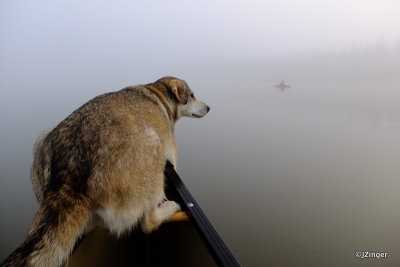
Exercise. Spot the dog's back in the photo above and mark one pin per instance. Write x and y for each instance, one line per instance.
(103, 163)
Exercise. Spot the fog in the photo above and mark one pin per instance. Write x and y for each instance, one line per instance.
(119, 37)
(303, 176)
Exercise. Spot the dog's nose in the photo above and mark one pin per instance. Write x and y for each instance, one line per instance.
(208, 109)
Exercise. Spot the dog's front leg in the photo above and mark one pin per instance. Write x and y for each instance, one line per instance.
(172, 156)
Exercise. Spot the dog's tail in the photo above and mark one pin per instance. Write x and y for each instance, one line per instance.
(52, 236)
(40, 171)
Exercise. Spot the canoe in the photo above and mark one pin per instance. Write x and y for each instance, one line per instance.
(188, 239)
(282, 85)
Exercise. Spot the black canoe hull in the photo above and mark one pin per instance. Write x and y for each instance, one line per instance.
(173, 244)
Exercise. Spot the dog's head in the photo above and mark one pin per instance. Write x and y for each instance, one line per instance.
(183, 97)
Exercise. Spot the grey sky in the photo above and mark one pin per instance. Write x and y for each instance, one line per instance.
(116, 30)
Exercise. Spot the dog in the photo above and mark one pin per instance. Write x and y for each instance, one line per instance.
(104, 164)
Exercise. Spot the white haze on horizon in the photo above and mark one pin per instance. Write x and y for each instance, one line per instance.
(76, 49)
(123, 31)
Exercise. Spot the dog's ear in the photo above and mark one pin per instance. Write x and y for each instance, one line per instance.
(179, 89)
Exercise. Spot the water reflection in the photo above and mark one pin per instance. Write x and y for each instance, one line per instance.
(304, 174)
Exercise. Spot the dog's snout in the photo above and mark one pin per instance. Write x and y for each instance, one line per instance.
(208, 109)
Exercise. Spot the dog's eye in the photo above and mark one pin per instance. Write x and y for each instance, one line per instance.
(192, 95)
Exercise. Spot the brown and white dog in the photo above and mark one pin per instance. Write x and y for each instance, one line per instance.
(105, 164)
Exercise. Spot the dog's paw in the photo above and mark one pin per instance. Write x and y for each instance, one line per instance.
(170, 205)
(168, 208)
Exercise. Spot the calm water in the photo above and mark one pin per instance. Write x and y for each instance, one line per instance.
(301, 177)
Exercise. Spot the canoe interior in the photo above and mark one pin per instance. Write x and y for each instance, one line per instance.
(173, 244)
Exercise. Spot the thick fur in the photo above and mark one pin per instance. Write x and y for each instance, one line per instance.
(104, 164)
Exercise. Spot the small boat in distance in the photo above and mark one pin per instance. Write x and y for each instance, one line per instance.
(282, 85)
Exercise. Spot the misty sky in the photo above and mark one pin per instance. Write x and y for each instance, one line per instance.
(120, 31)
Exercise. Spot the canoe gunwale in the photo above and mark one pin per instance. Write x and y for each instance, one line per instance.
(214, 243)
